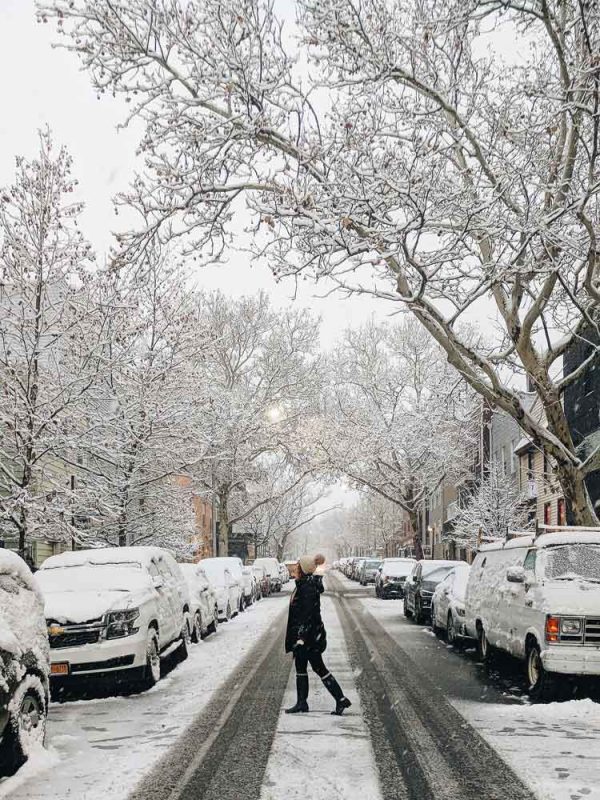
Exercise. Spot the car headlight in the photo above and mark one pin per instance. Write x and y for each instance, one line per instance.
(571, 626)
(426, 593)
(121, 623)
(460, 611)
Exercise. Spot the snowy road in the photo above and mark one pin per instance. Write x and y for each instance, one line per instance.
(427, 723)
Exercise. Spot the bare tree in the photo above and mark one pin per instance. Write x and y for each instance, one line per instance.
(399, 418)
(270, 526)
(412, 160)
(142, 415)
(494, 507)
(50, 345)
(262, 373)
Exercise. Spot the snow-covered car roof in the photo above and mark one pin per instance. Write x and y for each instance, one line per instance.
(574, 536)
(104, 555)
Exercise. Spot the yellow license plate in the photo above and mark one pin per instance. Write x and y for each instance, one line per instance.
(59, 669)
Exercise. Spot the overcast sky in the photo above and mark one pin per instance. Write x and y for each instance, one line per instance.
(44, 85)
(41, 86)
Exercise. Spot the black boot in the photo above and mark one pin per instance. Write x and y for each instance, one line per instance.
(335, 690)
(301, 706)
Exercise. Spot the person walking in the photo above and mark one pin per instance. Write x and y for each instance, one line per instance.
(306, 639)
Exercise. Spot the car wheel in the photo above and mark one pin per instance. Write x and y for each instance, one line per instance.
(407, 612)
(184, 646)
(419, 618)
(26, 725)
(152, 668)
(451, 630)
(483, 646)
(242, 605)
(228, 614)
(434, 626)
(197, 632)
(212, 628)
(540, 683)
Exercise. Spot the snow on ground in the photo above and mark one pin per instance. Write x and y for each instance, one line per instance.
(339, 747)
(131, 733)
(554, 747)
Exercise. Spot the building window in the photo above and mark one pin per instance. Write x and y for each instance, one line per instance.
(503, 459)
(513, 456)
(530, 464)
(546, 468)
(562, 511)
(547, 513)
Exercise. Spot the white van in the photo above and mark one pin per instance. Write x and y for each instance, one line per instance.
(114, 611)
(539, 600)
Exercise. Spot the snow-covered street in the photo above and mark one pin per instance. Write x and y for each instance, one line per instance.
(131, 733)
(426, 721)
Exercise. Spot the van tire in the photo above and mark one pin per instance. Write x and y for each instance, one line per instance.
(483, 645)
(407, 612)
(541, 685)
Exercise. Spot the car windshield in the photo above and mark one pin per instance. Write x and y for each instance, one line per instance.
(573, 562)
(398, 568)
(436, 572)
(372, 564)
(216, 573)
(93, 577)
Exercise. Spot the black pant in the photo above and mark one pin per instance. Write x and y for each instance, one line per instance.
(303, 659)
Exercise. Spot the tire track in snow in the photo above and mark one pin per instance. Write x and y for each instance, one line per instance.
(223, 754)
(425, 750)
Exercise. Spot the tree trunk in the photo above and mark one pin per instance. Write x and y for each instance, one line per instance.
(280, 550)
(577, 500)
(223, 531)
(580, 510)
(123, 528)
(23, 532)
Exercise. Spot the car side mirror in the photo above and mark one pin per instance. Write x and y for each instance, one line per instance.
(515, 575)
(158, 581)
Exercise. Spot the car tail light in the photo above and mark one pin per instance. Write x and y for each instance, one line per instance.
(552, 629)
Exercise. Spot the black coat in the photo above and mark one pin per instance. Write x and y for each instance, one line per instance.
(304, 619)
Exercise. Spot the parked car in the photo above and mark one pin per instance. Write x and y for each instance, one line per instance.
(228, 588)
(242, 574)
(356, 568)
(539, 600)
(114, 611)
(420, 586)
(284, 572)
(448, 605)
(272, 567)
(24, 664)
(204, 609)
(368, 570)
(263, 580)
(391, 575)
